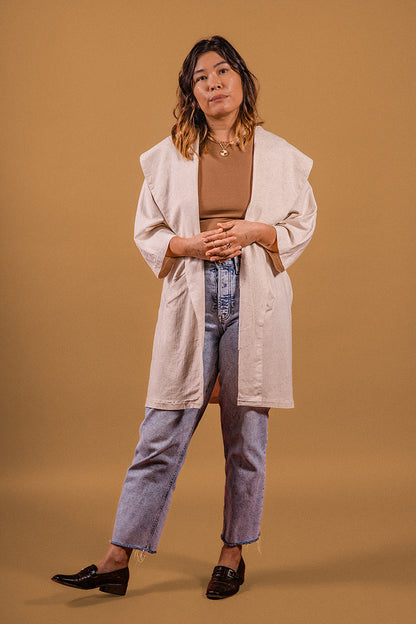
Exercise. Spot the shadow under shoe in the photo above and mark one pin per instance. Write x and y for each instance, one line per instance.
(225, 581)
(88, 578)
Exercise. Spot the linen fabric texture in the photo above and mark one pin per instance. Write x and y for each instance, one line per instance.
(168, 206)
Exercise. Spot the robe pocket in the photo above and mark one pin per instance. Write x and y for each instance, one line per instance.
(288, 285)
(267, 309)
(176, 288)
(177, 271)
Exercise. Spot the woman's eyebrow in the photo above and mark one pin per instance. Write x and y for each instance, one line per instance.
(198, 71)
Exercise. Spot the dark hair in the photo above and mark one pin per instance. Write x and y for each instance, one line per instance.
(190, 120)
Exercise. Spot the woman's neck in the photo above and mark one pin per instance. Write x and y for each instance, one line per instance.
(222, 129)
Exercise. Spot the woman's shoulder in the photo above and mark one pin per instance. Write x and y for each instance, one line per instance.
(158, 155)
(160, 149)
(278, 154)
(277, 144)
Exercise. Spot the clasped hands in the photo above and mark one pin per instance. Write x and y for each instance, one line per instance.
(225, 242)
(216, 245)
(228, 240)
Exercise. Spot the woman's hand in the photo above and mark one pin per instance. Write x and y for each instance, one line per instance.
(214, 245)
(221, 245)
(249, 232)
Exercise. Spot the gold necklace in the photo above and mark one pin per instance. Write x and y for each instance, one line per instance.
(223, 145)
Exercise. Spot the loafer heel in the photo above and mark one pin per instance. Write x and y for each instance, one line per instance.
(117, 589)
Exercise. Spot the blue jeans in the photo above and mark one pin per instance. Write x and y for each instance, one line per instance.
(165, 436)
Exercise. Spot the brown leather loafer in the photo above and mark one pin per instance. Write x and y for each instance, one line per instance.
(110, 582)
(225, 581)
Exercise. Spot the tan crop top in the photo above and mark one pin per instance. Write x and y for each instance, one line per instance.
(224, 187)
(224, 184)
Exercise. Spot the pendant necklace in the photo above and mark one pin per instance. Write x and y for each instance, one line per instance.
(223, 151)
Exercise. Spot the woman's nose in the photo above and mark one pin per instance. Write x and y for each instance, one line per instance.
(214, 83)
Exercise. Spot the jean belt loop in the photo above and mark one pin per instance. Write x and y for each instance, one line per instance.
(237, 264)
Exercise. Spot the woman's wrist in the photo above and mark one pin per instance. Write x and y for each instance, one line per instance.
(266, 236)
(177, 247)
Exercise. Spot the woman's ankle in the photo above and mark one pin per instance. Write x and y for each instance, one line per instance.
(116, 558)
(230, 556)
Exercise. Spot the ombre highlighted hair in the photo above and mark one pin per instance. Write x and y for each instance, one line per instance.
(190, 120)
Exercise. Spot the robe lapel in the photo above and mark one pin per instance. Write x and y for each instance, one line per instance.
(186, 172)
(260, 162)
(173, 182)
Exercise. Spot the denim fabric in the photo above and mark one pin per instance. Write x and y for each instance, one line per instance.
(165, 436)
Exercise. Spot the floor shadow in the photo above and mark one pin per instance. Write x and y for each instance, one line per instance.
(392, 565)
(98, 597)
(155, 588)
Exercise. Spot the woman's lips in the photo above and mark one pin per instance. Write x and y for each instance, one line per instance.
(216, 98)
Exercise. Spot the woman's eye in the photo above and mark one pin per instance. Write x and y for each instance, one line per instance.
(200, 78)
(223, 70)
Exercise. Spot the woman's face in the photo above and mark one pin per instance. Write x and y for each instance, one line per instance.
(217, 87)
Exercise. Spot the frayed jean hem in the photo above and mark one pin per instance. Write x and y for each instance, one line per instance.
(240, 543)
(152, 552)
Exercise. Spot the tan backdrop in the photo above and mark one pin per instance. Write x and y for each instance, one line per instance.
(88, 86)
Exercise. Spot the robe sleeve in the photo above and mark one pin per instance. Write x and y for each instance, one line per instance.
(275, 258)
(295, 231)
(152, 235)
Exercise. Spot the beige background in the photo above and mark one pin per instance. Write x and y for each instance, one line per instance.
(88, 86)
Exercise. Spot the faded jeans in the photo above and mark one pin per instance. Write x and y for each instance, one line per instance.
(165, 436)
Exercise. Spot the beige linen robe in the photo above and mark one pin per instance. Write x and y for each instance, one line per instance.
(168, 206)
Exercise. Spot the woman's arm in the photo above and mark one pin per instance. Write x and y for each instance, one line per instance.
(249, 232)
(284, 241)
(244, 233)
(159, 245)
(199, 246)
(151, 233)
(294, 233)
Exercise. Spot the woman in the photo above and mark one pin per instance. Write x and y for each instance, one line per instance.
(225, 209)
